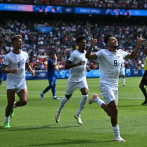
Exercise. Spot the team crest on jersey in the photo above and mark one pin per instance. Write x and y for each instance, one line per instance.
(118, 56)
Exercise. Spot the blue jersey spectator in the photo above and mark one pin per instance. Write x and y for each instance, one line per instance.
(52, 63)
(1, 78)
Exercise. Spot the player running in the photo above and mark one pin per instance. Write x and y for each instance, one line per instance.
(1, 78)
(109, 65)
(77, 79)
(14, 66)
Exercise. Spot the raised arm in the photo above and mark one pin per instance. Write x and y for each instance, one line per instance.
(90, 55)
(135, 51)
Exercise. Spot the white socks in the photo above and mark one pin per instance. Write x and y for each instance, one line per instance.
(62, 103)
(14, 106)
(124, 81)
(82, 104)
(116, 131)
(99, 101)
(7, 119)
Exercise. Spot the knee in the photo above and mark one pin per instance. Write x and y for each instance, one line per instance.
(23, 102)
(10, 104)
(140, 86)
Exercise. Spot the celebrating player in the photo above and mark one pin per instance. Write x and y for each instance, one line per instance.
(14, 66)
(144, 79)
(109, 66)
(52, 63)
(77, 79)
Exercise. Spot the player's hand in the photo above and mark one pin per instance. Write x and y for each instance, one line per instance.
(81, 63)
(140, 40)
(55, 57)
(14, 70)
(87, 68)
(32, 73)
(93, 41)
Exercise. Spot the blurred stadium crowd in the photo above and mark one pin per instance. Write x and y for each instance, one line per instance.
(62, 39)
(141, 4)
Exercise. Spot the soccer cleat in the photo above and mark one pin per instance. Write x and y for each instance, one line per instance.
(6, 125)
(145, 102)
(92, 100)
(57, 117)
(41, 96)
(78, 117)
(55, 98)
(119, 139)
(12, 113)
(124, 84)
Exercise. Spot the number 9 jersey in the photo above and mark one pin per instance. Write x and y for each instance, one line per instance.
(109, 66)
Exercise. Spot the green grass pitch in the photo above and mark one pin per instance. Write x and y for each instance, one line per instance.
(34, 124)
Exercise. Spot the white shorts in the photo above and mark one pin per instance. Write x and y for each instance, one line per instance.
(108, 93)
(72, 86)
(17, 86)
(122, 72)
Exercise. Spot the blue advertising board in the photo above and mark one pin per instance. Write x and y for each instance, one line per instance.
(64, 74)
(72, 10)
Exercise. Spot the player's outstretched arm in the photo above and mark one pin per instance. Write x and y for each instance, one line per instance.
(69, 64)
(140, 41)
(90, 55)
(29, 69)
(5, 70)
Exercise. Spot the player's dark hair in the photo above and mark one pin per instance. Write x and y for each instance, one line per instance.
(79, 38)
(52, 53)
(107, 38)
(16, 37)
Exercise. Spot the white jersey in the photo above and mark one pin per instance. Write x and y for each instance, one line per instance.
(17, 61)
(109, 66)
(77, 73)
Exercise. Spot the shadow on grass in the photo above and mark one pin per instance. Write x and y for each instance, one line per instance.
(36, 128)
(131, 105)
(67, 142)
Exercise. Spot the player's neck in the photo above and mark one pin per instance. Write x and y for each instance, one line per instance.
(16, 51)
(112, 49)
(81, 50)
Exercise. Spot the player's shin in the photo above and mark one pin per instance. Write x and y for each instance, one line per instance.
(62, 103)
(82, 104)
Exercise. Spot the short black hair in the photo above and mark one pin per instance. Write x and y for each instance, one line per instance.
(79, 38)
(52, 53)
(107, 38)
(16, 37)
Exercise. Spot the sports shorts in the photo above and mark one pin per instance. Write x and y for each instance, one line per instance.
(72, 86)
(144, 81)
(52, 81)
(108, 93)
(17, 86)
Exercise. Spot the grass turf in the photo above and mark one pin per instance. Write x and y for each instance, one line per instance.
(34, 126)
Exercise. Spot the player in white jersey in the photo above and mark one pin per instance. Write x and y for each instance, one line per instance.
(77, 79)
(122, 71)
(14, 66)
(109, 66)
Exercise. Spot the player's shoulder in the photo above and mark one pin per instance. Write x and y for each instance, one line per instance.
(9, 54)
(24, 53)
(120, 51)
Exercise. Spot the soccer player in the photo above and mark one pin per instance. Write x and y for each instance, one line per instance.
(109, 65)
(1, 78)
(14, 66)
(52, 63)
(144, 79)
(77, 79)
(122, 71)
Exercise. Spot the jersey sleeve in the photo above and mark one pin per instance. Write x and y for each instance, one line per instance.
(72, 57)
(6, 60)
(99, 54)
(27, 59)
(125, 54)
